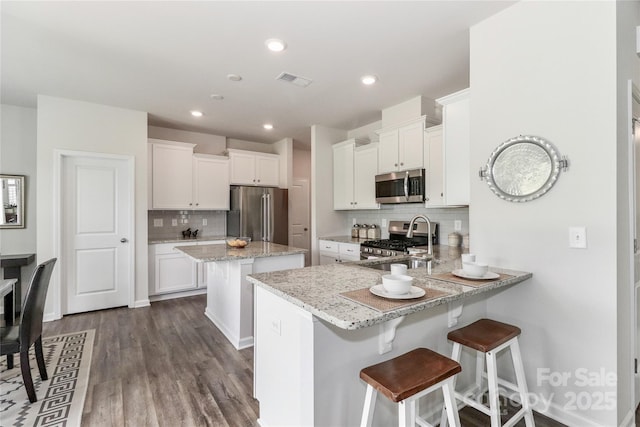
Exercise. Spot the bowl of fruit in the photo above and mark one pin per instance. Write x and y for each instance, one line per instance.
(238, 242)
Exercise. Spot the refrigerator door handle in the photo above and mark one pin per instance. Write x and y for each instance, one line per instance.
(264, 217)
(269, 218)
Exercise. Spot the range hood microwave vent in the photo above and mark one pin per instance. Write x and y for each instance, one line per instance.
(296, 80)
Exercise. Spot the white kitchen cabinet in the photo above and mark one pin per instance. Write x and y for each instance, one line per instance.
(172, 271)
(332, 252)
(210, 182)
(447, 157)
(172, 178)
(401, 148)
(181, 179)
(434, 162)
(251, 168)
(354, 171)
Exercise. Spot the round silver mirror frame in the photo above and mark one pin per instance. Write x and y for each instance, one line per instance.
(516, 178)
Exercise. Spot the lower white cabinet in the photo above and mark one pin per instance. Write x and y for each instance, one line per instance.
(332, 252)
(172, 271)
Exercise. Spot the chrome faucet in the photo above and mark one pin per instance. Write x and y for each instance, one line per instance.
(430, 247)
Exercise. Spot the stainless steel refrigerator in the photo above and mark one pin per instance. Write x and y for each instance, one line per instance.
(261, 213)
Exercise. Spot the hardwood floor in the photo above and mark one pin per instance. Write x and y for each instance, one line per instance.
(167, 365)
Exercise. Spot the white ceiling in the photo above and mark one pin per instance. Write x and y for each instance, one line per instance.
(167, 58)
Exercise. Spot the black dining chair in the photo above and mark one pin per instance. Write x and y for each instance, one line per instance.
(19, 338)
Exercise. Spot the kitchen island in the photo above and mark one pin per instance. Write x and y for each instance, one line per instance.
(229, 294)
(314, 334)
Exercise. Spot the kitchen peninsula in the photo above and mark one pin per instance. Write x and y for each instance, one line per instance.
(229, 294)
(312, 338)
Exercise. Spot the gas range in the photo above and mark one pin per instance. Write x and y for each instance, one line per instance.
(397, 243)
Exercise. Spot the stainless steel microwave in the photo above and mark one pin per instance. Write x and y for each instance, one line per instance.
(401, 187)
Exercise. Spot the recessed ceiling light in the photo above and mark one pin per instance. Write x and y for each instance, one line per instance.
(196, 113)
(216, 97)
(369, 80)
(234, 77)
(267, 126)
(275, 45)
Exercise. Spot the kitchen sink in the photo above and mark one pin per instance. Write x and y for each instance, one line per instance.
(410, 262)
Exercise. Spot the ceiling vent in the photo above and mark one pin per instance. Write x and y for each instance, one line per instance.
(296, 80)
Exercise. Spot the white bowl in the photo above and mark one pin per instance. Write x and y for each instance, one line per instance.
(475, 269)
(397, 283)
(398, 269)
(468, 258)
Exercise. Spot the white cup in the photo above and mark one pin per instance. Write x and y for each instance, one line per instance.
(468, 258)
(398, 269)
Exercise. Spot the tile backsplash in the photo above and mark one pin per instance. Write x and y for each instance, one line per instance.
(160, 223)
(404, 212)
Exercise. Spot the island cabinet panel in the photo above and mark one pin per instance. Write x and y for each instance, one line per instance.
(230, 296)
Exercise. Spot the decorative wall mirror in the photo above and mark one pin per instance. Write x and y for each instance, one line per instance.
(12, 199)
(523, 168)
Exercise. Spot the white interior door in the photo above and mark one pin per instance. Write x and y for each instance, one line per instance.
(299, 218)
(96, 229)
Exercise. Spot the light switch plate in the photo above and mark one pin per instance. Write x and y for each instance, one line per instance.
(204, 221)
(174, 222)
(578, 237)
(457, 225)
(157, 222)
(384, 223)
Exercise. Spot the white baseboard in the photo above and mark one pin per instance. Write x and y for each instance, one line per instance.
(237, 342)
(50, 317)
(629, 420)
(141, 303)
(174, 295)
(570, 418)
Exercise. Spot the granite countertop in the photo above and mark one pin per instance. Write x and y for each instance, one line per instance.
(316, 289)
(176, 239)
(208, 253)
(344, 239)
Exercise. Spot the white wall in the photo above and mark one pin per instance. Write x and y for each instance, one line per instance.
(240, 144)
(324, 220)
(206, 143)
(65, 124)
(284, 148)
(18, 157)
(549, 69)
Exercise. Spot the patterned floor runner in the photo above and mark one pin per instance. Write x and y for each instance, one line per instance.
(61, 397)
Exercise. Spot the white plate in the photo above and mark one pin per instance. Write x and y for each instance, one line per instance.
(487, 275)
(380, 291)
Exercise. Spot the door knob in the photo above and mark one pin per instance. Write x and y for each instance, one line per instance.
(123, 240)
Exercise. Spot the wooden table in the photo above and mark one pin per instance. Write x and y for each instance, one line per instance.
(8, 294)
(12, 265)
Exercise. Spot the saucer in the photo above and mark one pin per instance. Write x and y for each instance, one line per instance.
(465, 275)
(380, 291)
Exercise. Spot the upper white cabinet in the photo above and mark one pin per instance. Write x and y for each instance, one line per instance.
(447, 149)
(251, 168)
(354, 171)
(401, 148)
(171, 181)
(181, 179)
(210, 182)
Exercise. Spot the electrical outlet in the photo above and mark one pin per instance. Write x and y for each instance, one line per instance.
(384, 223)
(457, 225)
(204, 221)
(174, 222)
(578, 237)
(354, 221)
(157, 222)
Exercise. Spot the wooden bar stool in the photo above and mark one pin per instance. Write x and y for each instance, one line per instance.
(406, 378)
(489, 337)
